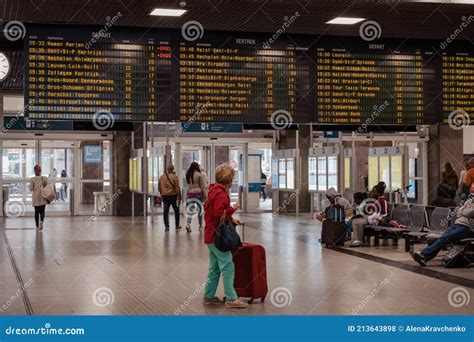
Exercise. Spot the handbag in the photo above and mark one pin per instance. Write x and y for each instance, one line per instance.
(47, 192)
(227, 237)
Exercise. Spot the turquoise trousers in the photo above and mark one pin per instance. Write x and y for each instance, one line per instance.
(220, 262)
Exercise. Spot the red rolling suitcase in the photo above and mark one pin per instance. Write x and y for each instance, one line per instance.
(250, 271)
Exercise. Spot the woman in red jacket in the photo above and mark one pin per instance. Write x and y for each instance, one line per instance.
(216, 208)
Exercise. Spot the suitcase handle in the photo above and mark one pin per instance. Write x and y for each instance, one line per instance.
(243, 231)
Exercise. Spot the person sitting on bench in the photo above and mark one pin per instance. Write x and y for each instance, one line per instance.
(463, 228)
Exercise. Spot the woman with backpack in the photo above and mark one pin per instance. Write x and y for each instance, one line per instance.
(37, 183)
(196, 194)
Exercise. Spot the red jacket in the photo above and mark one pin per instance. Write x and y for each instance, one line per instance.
(216, 205)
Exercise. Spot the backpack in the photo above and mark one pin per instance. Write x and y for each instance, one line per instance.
(458, 256)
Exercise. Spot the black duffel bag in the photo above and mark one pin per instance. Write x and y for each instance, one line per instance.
(227, 237)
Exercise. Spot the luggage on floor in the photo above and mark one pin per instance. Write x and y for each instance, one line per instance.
(333, 233)
(458, 256)
(250, 271)
(335, 212)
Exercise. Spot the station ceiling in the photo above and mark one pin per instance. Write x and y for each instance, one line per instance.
(436, 19)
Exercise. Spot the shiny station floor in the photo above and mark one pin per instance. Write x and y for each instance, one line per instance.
(125, 266)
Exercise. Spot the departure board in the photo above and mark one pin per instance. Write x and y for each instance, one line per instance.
(458, 88)
(239, 81)
(137, 75)
(76, 80)
(374, 88)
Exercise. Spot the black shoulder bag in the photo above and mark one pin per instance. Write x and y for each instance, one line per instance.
(227, 237)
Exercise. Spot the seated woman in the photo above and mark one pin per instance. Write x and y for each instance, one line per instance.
(376, 215)
(463, 228)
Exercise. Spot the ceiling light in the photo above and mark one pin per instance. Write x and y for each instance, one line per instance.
(345, 21)
(168, 12)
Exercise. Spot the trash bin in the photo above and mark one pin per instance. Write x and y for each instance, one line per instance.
(102, 205)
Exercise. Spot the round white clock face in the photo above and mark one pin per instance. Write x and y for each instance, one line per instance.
(4, 66)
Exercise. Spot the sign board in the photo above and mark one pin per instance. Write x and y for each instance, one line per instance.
(325, 151)
(20, 123)
(92, 154)
(331, 134)
(385, 151)
(286, 153)
(211, 127)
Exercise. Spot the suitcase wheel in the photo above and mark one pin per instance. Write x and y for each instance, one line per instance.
(263, 300)
(250, 301)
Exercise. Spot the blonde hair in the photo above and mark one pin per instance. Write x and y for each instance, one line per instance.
(224, 174)
(37, 170)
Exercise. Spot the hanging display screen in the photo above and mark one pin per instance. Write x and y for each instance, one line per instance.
(158, 75)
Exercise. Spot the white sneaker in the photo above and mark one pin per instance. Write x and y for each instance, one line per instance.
(40, 227)
(201, 228)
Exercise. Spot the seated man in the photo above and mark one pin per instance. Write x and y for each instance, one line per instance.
(463, 228)
(335, 198)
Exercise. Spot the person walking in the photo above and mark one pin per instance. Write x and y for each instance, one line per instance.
(218, 208)
(168, 186)
(37, 183)
(63, 189)
(196, 195)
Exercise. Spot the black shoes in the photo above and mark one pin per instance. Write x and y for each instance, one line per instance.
(419, 258)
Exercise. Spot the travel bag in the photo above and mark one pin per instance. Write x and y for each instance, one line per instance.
(334, 231)
(250, 271)
(459, 256)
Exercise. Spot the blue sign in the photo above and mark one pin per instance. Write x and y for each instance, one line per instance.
(20, 123)
(331, 134)
(258, 328)
(211, 127)
(92, 154)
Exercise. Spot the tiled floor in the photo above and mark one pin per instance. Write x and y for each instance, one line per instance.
(121, 266)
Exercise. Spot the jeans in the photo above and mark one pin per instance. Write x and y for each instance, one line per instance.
(39, 214)
(220, 262)
(452, 234)
(194, 206)
(167, 202)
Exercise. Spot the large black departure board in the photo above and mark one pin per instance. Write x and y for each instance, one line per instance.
(158, 75)
(75, 80)
(237, 80)
(383, 85)
(458, 88)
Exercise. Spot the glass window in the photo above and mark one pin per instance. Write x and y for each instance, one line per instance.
(106, 145)
(322, 173)
(30, 162)
(274, 180)
(290, 173)
(12, 163)
(312, 173)
(397, 162)
(384, 170)
(332, 172)
(282, 173)
(373, 171)
(412, 182)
